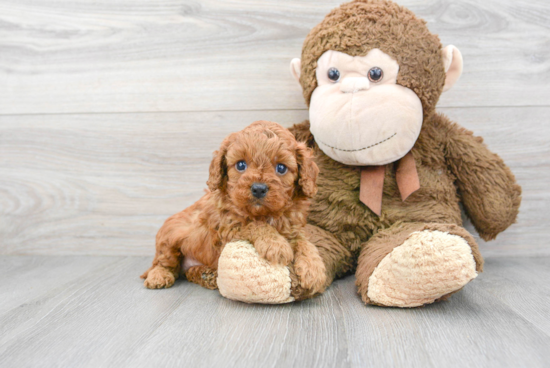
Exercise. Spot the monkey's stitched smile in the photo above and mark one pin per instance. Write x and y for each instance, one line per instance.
(360, 149)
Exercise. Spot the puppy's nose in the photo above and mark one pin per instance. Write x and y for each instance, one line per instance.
(259, 190)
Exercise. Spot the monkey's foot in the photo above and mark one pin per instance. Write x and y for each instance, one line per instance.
(429, 265)
(245, 276)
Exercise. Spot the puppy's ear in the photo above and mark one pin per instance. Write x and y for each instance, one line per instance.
(218, 167)
(307, 170)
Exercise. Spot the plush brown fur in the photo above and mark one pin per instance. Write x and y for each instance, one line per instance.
(384, 241)
(453, 166)
(357, 27)
(274, 224)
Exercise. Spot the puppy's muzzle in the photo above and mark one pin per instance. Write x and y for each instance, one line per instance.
(259, 190)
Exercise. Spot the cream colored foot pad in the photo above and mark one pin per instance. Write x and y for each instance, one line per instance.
(244, 276)
(428, 265)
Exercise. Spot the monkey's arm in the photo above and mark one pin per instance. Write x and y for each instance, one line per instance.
(487, 187)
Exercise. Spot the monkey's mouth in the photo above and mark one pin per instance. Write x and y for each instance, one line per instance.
(359, 149)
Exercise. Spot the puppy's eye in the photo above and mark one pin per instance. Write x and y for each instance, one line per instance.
(281, 169)
(375, 74)
(333, 74)
(241, 166)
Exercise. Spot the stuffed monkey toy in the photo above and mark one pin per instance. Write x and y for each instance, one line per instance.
(393, 171)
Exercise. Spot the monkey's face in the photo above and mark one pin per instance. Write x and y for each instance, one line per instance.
(359, 115)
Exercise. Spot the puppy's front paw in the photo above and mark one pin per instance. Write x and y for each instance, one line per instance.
(158, 278)
(312, 272)
(276, 251)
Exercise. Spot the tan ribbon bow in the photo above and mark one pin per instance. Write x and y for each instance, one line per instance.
(372, 182)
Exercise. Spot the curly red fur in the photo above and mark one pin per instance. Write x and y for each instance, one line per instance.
(274, 224)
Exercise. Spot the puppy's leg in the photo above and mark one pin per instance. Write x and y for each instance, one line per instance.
(338, 260)
(203, 276)
(309, 266)
(166, 265)
(269, 243)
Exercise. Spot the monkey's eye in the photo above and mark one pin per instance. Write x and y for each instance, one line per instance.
(333, 74)
(375, 74)
(241, 166)
(281, 169)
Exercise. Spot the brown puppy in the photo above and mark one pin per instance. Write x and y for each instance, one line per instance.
(260, 183)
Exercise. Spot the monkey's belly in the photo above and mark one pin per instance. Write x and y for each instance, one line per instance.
(338, 210)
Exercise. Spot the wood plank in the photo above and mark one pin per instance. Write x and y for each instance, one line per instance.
(105, 183)
(77, 57)
(521, 284)
(472, 329)
(85, 320)
(106, 317)
(74, 181)
(24, 279)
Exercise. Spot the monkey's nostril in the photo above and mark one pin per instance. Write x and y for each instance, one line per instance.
(354, 84)
(259, 190)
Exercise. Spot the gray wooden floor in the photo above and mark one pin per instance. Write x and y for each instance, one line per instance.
(79, 311)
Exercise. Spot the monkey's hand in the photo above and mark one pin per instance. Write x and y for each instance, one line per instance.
(487, 187)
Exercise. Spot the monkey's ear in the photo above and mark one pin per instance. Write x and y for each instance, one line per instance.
(307, 170)
(218, 167)
(452, 61)
(295, 67)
